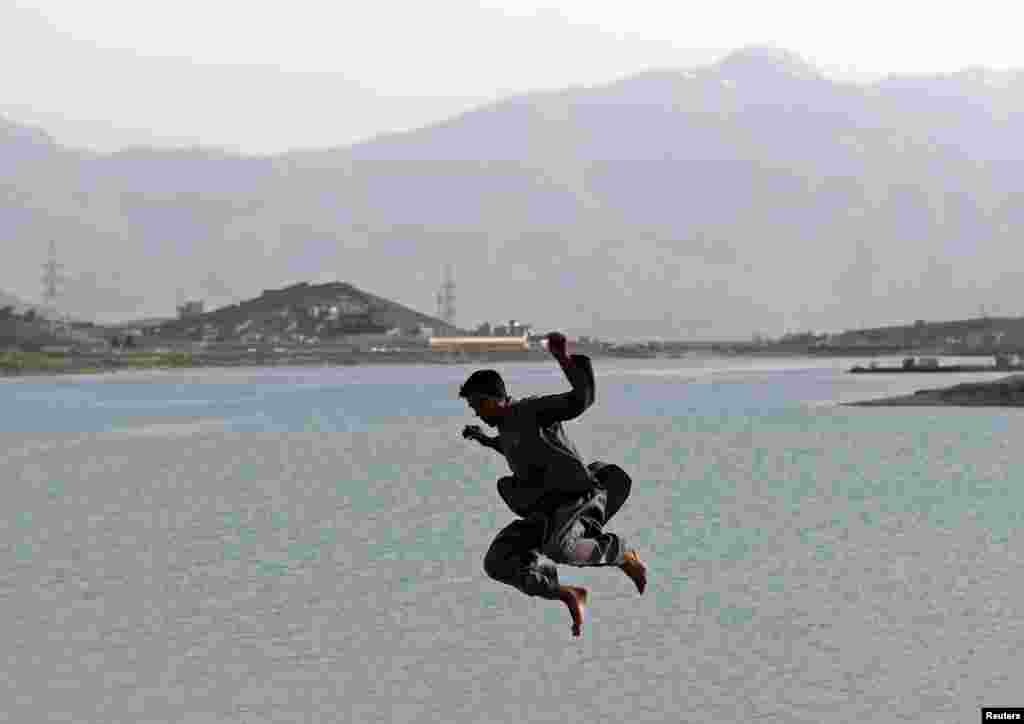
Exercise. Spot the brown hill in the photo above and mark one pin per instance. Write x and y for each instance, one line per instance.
(303, 310)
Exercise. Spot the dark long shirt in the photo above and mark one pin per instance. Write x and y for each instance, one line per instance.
(547, 469)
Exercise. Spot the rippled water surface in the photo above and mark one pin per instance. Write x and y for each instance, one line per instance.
(278, 545)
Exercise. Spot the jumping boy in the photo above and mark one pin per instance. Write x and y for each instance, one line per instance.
(564, 504)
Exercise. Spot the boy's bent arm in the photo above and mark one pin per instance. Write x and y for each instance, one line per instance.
(492, 443)
(567, 405)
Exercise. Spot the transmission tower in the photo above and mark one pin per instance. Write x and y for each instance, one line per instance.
(51, 280)
(446, 298)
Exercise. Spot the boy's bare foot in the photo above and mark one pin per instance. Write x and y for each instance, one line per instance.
(635, 569)
(576, 599)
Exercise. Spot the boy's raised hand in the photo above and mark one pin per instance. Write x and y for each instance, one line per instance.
(473, 432)
(557, 345)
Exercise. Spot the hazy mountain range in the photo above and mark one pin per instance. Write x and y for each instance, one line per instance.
(752, 194)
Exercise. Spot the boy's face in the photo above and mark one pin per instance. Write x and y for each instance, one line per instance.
(487, 408)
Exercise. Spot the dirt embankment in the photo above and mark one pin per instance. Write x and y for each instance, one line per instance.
(1004, 392)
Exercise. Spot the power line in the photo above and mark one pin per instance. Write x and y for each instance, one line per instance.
(446, 297)
(51, 278)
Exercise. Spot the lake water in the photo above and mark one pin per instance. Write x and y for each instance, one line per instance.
(306, 544)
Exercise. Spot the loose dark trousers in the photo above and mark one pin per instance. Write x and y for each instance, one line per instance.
(524, 553)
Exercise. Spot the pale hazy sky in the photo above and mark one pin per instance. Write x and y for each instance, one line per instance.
(266, 77)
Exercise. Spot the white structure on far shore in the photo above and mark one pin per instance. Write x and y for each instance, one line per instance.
(479, 344)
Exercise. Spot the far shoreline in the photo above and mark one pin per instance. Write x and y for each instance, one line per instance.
(1007, 391)
(16, 365)
(46, 366)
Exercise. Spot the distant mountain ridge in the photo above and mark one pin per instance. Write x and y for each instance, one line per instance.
(751, 194)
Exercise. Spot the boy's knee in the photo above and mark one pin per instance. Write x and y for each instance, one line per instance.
(493, 566)
(507, 489)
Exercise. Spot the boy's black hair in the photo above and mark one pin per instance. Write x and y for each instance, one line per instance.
(484, 382)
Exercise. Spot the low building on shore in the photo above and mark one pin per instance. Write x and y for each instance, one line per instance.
(479, 344)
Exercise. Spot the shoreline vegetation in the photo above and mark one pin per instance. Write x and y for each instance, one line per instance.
(22, 363)
(19, 363)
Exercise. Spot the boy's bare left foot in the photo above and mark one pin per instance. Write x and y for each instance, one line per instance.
(635, 569)
(575, 598)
